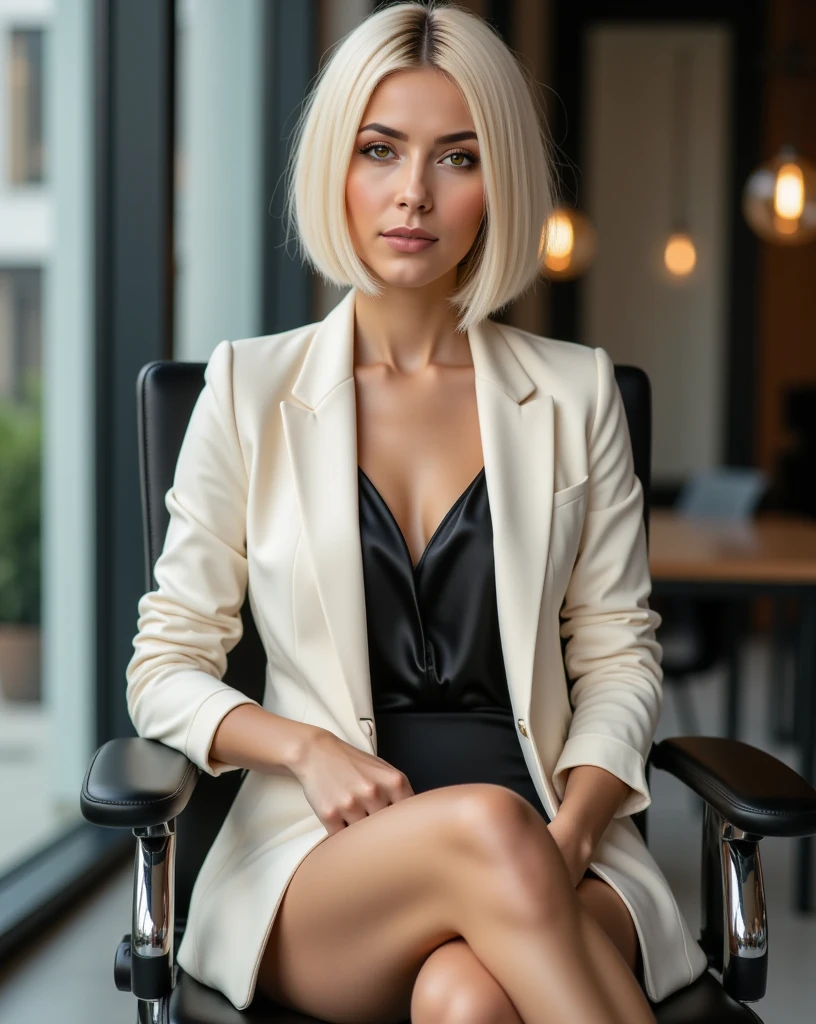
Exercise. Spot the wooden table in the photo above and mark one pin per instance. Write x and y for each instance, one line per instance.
(774, 548)
(773, 554)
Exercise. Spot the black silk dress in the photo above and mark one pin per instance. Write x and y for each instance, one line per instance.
(441, 702)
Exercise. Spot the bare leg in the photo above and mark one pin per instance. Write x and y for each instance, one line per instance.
(368, 906)
(531, 931)
(612, 914)
(621, 986)
(362, 912)
(454, 985)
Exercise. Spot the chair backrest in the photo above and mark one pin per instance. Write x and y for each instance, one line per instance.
(166, 394)
(636, 392)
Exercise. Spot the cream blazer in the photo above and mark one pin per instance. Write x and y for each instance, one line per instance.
(265, 497)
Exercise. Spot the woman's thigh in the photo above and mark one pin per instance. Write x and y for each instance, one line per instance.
(368, 905)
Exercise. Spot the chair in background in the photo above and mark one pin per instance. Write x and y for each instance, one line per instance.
(698, 633)
(175, 810)
(795, 493)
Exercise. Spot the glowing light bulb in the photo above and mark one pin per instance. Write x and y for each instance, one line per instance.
(680, 254)
(789, 192)
(561, 240)
(779, 199)
(567, 245)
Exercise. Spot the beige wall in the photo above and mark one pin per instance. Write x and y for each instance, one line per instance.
(336, 18)
(532, 42)
(676, 332)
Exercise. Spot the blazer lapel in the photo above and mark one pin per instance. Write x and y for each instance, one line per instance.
(517, 443)
(518, 447)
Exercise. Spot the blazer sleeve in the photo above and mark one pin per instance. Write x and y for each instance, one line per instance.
(612, 653)
(188, 625)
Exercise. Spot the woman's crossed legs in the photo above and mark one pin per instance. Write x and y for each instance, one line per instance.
(409, 911)
(454, 986)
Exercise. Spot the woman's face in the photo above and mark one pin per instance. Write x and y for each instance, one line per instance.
(407, 178)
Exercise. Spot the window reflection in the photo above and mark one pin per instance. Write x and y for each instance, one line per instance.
(24, 245)
(20, 328)
(47, 447)
(25, 91)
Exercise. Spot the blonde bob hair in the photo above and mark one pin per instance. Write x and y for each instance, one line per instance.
(505, 259)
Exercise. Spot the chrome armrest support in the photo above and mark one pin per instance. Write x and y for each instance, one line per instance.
(734, 933)
(153, 968)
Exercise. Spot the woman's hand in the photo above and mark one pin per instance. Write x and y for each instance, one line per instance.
(575, 848)
(344, 784)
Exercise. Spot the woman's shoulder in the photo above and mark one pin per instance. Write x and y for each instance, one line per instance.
(269, 363)
(548, 349)
(272, 348)
(565, 369)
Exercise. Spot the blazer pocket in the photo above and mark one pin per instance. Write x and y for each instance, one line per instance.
(567, 494)
(569, 507)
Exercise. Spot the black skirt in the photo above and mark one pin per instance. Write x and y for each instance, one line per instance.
(448, 748)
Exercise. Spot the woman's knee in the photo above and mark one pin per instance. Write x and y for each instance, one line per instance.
(495, 821)
(454, 987)
(507, 836)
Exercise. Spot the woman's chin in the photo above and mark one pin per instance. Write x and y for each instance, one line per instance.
(405, 276)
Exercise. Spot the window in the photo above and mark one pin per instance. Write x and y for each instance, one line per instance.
(25, 116)
(20, 326)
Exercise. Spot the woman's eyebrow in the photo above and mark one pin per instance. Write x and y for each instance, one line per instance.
(454, 137)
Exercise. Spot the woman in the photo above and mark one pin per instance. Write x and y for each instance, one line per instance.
(434, 824)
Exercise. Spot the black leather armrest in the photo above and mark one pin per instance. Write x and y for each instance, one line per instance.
(133, 782)
(748, 787)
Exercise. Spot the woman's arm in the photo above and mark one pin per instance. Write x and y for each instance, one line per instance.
(591, 798)
(189, 624)
(252, 737)
(612, 653)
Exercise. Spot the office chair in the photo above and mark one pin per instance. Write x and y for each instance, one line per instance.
(175, 810)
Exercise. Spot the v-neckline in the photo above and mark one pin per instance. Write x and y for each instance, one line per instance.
(442, 521)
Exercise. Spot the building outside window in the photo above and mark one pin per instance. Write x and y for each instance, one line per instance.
(26, 154)
(47, 449)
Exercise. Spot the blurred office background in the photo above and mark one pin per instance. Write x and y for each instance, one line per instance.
(142, 150)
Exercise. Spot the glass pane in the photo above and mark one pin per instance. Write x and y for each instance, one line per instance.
(25, 93)
(46, 420)
(220, 208)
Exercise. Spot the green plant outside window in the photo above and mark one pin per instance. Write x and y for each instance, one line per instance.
(20, 496)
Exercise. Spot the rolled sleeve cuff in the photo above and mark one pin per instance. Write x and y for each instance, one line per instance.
(614, 756)
(205, 724)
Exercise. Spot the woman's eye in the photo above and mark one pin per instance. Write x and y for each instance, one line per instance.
(372, 147)
(468, 156)
(375, 145)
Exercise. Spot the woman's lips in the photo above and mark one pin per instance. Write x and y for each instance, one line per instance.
(402, 244)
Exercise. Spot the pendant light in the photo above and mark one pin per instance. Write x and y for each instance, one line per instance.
(679, 251)
(779, 197)
(568, 244)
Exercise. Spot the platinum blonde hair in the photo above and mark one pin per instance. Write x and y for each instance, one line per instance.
(500, 95)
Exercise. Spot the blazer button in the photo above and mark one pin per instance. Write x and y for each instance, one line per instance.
(522, 727)
(368, 725)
